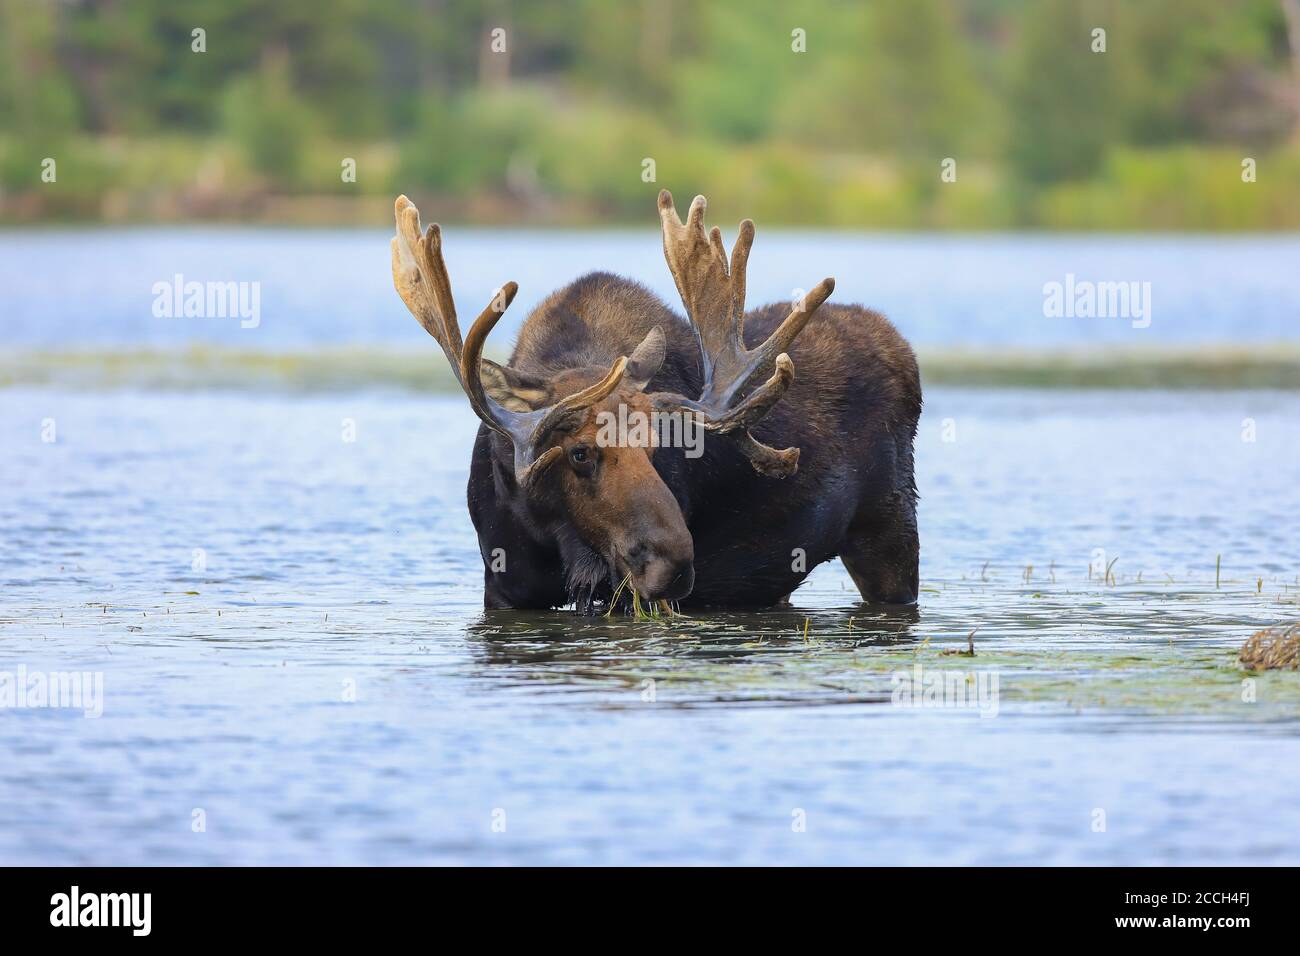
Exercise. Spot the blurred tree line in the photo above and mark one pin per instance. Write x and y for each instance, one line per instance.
(825, 112)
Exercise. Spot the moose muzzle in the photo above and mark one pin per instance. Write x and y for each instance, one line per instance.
(658, 552)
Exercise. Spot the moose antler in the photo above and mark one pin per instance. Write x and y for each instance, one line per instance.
(714, 296)
(421, 279)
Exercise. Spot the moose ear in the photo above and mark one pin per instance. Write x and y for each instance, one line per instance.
(511, 389)
(644, 362)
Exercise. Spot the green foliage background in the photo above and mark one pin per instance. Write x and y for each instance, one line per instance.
(1045, 131)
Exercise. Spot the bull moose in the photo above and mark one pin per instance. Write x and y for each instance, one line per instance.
(564, 514)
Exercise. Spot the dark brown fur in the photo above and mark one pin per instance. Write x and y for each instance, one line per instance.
(852, 410)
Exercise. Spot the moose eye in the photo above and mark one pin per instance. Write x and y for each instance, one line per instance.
(583, 459)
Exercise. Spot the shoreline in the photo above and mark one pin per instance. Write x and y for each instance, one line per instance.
(210, 367)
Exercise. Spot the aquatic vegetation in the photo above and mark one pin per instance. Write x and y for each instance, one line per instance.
(342, 368)
(970, 648)
(653, 611)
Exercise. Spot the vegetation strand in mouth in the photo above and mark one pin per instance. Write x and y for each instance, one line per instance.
(652, 611)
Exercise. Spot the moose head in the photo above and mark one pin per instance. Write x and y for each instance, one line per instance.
(553, 441)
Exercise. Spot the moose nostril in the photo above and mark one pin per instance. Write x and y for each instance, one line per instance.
(682, 581)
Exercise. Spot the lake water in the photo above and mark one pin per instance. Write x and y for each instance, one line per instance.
(334, 287)
(293, 649)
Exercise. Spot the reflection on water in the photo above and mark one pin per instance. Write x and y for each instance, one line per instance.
(701, 655)
(733, 632)
(291, 636)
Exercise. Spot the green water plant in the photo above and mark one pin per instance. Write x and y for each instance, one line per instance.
(653, 611)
